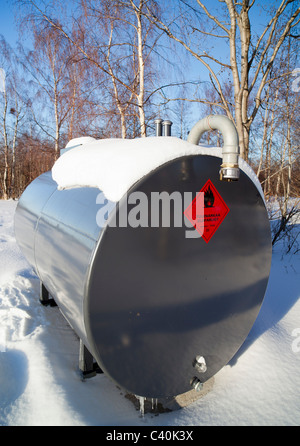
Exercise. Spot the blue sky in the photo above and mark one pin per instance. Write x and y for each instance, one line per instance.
(8, 26)
(190, 66)
(9, 29)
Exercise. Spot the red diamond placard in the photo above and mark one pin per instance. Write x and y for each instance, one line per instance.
(214, 212)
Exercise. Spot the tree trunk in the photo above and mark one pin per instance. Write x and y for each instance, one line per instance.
(6, 163)
(141, 64)
(13, 161)
(121, 109)
(57, 126)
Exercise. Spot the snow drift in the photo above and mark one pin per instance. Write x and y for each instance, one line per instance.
(115, 165)
(40, 385)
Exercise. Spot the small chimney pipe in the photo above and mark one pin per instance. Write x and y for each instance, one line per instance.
(158, 127)
(167, 128)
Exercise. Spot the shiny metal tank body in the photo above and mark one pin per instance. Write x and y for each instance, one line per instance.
(58, 232)
(146, 301)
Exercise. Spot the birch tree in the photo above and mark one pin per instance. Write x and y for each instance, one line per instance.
(126, 40)
(279, 145)
(12, 111)
(48, 66)
(248, 58)
(116, 38)
(278, 167)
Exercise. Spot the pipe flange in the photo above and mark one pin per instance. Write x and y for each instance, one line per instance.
(229, 172)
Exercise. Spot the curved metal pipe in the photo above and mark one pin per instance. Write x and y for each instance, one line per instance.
(230, 166)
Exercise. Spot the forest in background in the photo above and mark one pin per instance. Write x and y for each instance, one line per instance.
(109, 68)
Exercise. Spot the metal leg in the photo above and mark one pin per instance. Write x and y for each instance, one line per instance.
(45, 297)
(86, 362)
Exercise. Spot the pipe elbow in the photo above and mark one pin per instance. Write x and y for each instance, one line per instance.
(229, 170)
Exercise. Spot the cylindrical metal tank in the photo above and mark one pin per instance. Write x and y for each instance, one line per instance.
(158, 311)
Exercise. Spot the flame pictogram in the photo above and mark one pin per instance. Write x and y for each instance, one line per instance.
(209, 198)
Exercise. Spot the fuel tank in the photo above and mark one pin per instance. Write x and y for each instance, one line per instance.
(161, 307)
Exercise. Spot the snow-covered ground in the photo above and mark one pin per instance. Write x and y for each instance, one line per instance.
(40, 384)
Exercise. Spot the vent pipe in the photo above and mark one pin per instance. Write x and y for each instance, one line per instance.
(158, 127)
(162, 128)
(167, 128)
(230, 166)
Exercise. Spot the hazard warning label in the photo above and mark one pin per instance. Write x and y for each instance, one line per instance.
(215, 210)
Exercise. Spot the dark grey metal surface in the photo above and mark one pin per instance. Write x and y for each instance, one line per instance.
(147, 301)
(156, 299)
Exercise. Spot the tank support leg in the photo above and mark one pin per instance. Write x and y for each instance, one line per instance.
(86, 362)
(45, 297)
